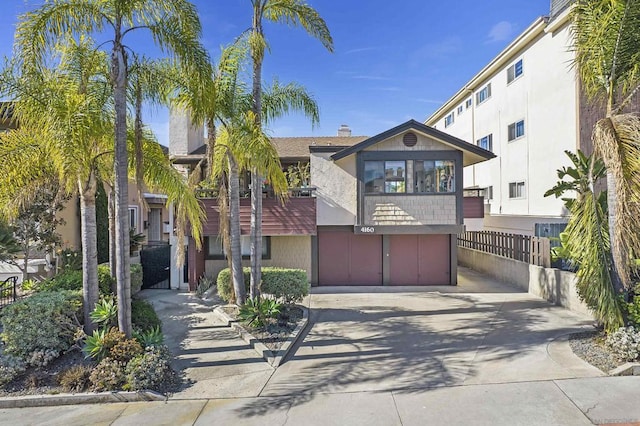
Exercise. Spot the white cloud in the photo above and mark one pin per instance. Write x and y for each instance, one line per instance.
(441, 49)
(502, 31)
(360, 50)
(370, 77)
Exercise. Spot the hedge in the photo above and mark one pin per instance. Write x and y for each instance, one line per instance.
(286, 285)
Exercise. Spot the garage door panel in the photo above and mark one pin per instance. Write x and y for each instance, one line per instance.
(345, 258)
(403, 259)
(434, 261)
(366, 260)
(333, 264)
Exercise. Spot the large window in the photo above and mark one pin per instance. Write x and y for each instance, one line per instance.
(385, 177)
(486, 142)
(431, 176)
(483, 94)
(515, 130)
(517, 190)
(514, 71)
(215, 250)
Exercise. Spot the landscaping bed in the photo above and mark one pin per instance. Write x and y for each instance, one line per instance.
(590, 346)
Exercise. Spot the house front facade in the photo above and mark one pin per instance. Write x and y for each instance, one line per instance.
(377, 211)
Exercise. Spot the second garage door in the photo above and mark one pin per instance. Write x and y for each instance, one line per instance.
(419, 260)
(345, 258)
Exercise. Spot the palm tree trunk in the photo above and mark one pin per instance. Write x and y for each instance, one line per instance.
(123, 277)
(89, 235)
(234, 231)
(111, 211)
(612, 207)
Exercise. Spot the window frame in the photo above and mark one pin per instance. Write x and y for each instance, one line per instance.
(483, 94)
(449, 119)
(460, 109)
(516, 125)
(516, 185)
(386, 178)
(468, 103)
(266, 244)
(489, 139)
(512, 71)
(136, 218)
(488, 193)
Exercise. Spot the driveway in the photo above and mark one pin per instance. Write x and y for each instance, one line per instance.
(403, 340)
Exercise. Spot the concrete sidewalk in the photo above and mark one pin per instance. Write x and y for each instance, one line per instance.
(602, 400)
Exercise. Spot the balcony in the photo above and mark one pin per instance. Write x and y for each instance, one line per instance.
(296, 216)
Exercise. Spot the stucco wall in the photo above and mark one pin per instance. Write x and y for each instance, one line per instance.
(286, 252)
(554, 285)
(410, 210)
(336, 194)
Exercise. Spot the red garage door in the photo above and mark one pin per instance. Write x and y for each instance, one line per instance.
(345, 258)
(419, 259)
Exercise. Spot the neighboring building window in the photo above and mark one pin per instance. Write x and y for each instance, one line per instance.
(516, 130)
(460, 110)
(216, 251)
(514, 71)
(483, 94)
(385, 177)
(432, 176)
(133, 218)
(448, 120)
(488, 193)
(486, 142)
(517, 190)
(469, 103)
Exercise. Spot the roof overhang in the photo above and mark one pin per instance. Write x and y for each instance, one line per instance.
(471, 154)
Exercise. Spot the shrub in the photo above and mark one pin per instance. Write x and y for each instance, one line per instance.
(36, 327)
(625, 343)
(106, 282)
(125, 350)
(75, 379)
(151, 370)
(256, 311)
(10, 367)
(286, 285)
(108, 375)
(71, 279)
(136, 278)
(143, 316)
(204, 284)
(105, 313)
(151, 337)
(69, 259)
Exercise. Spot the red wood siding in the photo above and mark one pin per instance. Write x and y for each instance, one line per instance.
(419, 259)
(349, 259)
(473, 207)
(196, 264)
(296, 217)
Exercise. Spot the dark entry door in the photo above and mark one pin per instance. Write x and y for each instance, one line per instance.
(349, 259)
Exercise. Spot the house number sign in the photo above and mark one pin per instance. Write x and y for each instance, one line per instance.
(367, 230)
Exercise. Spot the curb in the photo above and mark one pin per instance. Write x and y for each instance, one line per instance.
(75, 399)
(274, 359)
(628, 369)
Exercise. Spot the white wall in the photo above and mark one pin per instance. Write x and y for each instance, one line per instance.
(183, 137)
(336, 193)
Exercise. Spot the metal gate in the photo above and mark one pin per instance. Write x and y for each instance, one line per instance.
(156, 266)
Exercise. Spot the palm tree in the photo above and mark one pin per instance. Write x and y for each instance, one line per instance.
(174, 26)
(607, 59)
(64, 133)
(293, 13)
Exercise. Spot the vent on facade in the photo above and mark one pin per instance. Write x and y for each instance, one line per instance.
(344, 130)
(410, 139)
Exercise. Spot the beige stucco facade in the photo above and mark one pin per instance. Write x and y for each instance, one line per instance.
(337, 189)
(286, 252)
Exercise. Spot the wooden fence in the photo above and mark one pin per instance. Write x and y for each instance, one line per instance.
(535, 250)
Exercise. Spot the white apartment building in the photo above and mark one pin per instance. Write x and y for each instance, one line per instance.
(525, 107)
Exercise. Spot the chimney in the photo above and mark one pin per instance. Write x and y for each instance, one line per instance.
(344, 130)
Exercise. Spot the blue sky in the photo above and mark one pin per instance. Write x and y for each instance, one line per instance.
(392, 61)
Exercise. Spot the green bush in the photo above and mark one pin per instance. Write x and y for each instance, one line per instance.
(41, 326)
(148, 338)
(286, 285)
(106, 282)
(108, 375)
(136, 278)
(143, 316)
(71, 279)
(75, 379)
(151, 370)
(257, 311)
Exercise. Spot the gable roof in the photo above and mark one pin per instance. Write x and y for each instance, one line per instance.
(472, 154)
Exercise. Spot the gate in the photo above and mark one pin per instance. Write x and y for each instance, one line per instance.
(8, 291)
(156, 266)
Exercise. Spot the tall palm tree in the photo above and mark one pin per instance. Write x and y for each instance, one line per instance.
(606, 36)
(292, 13)
(64, 132)
(174, 26)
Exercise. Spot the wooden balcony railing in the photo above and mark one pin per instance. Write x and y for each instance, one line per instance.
(304, 192)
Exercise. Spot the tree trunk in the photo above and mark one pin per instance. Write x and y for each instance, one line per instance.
(111, 211)
(234, 231)
(89, 235)
(612, 207)
(123, 277)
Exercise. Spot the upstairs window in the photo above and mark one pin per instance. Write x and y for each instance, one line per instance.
(483, 94)
(460, 110)
(514, 71)
(385, 177)
(448, 120)
(515, 130)
(431, 176)
(486, 142)
(517, 190)
(468, 103)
